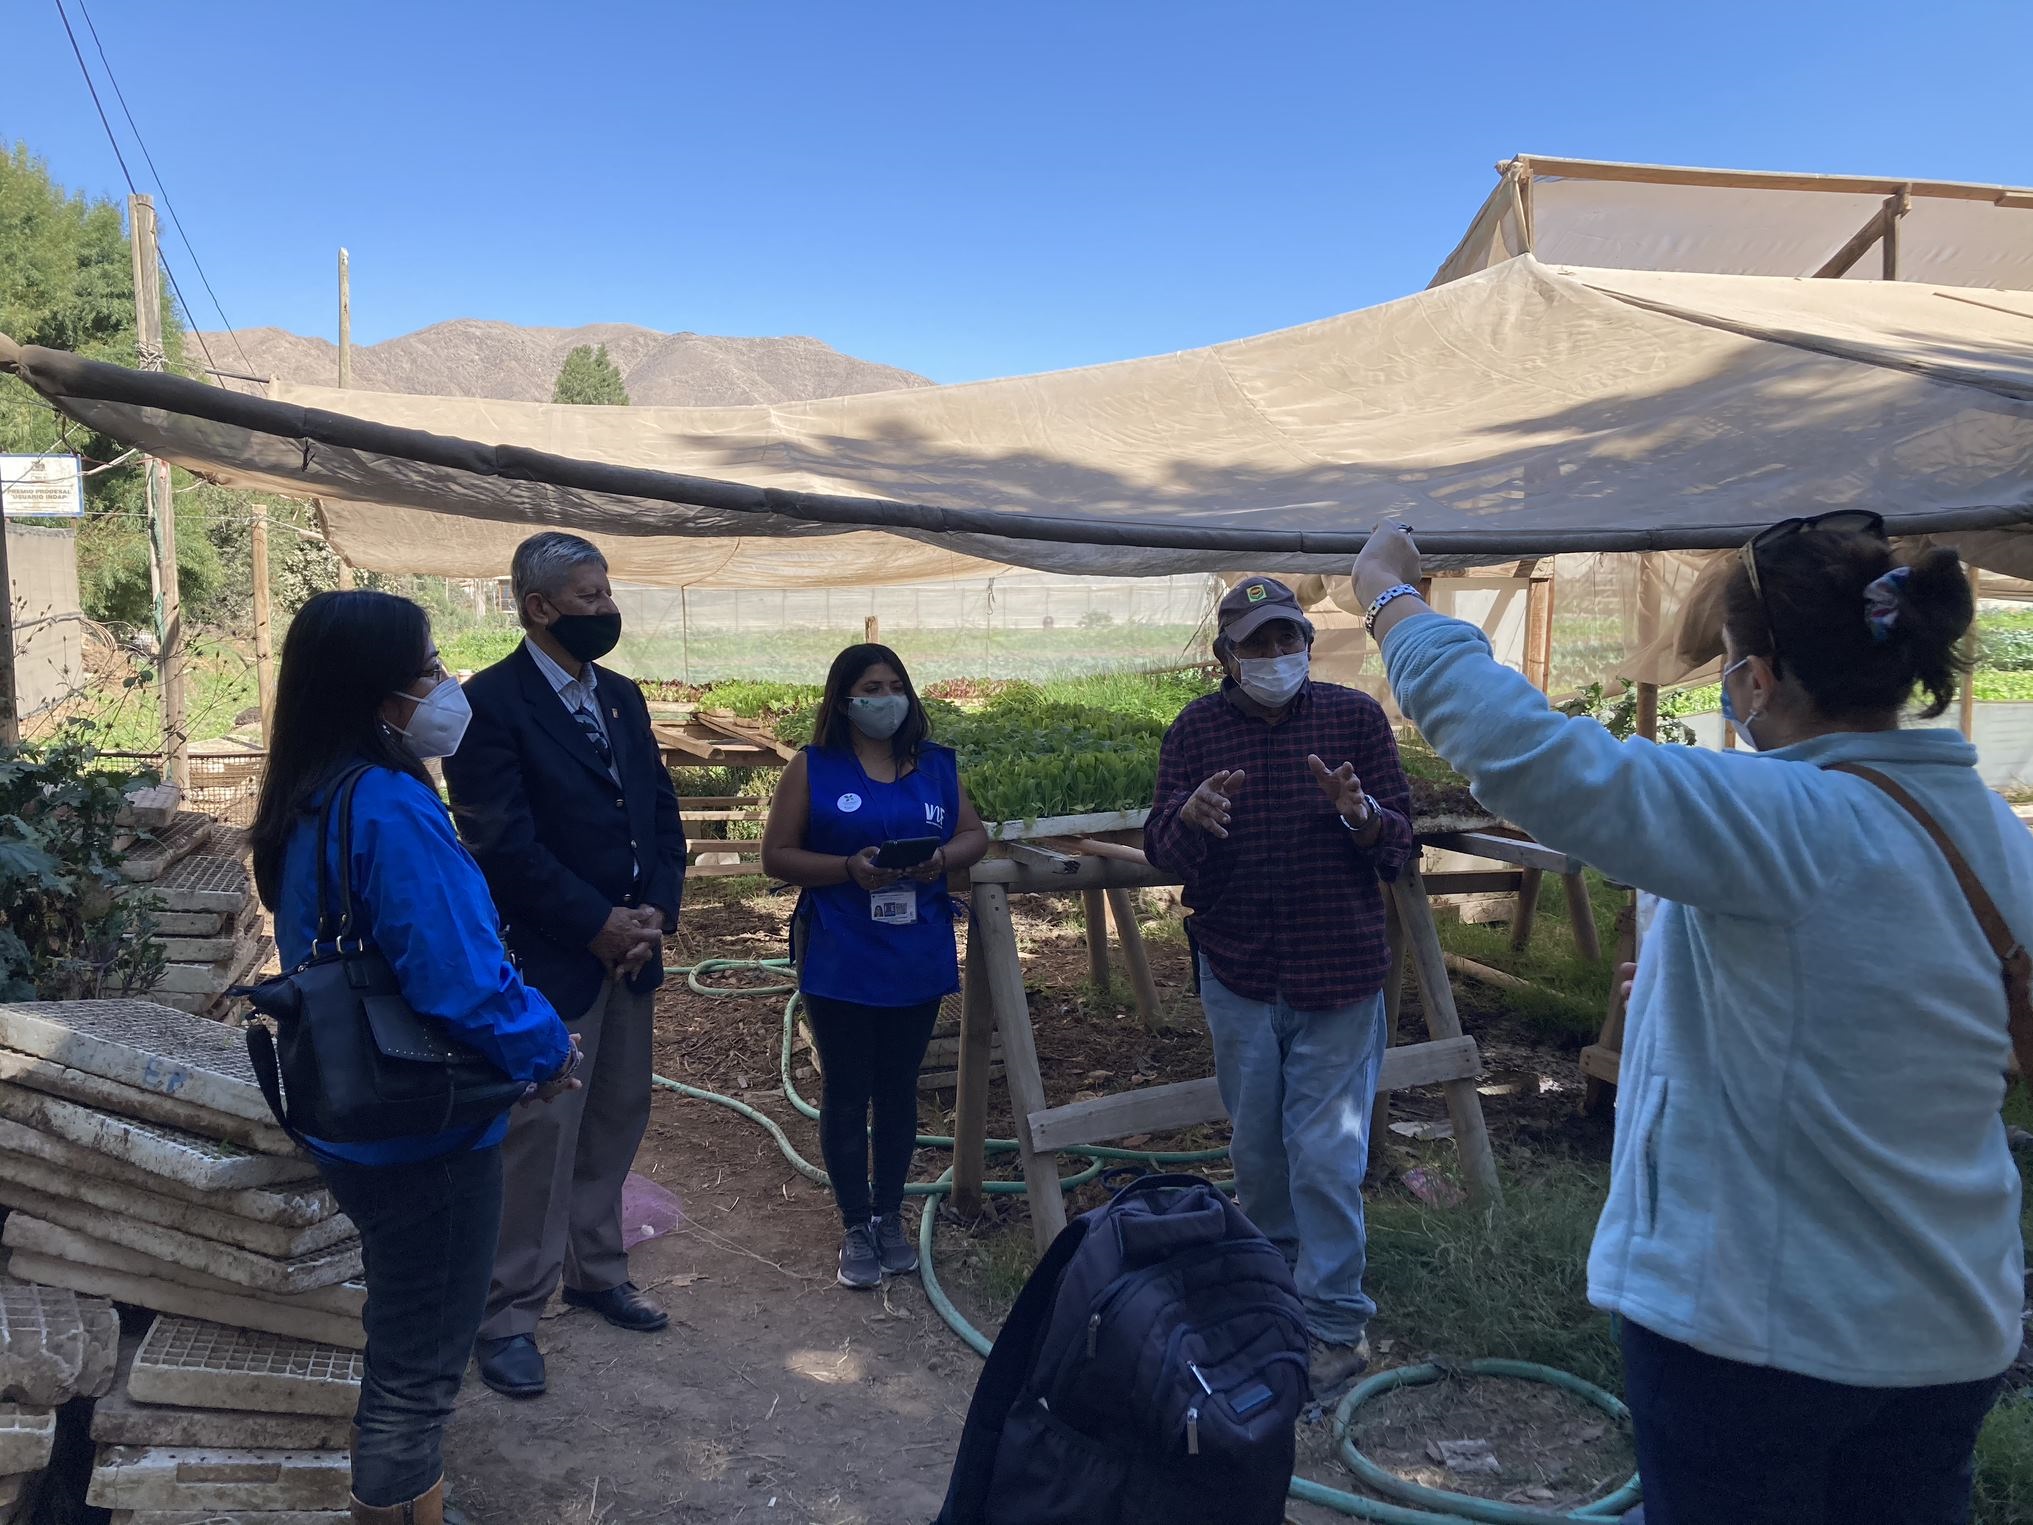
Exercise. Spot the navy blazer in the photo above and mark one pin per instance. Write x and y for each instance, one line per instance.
(556, 839)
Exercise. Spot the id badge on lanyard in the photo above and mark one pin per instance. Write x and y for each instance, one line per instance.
(896, 906)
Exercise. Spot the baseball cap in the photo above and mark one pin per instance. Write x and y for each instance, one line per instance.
(1254, 602)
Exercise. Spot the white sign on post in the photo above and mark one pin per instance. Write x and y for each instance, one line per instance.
(42, 487)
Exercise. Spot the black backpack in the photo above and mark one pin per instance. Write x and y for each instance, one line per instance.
(1151, 1373)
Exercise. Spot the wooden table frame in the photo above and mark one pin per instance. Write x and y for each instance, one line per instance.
(994, 1001)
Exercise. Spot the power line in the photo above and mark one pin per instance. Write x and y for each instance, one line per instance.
(168, 205)
(126, 173)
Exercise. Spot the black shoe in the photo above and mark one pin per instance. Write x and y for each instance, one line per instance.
(860, 1262)
(622, 1306)
(893, 1245)
(513, 1367)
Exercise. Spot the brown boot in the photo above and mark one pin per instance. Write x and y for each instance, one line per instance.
(428, 1508)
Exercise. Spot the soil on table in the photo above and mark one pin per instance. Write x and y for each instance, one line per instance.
(775, 1395)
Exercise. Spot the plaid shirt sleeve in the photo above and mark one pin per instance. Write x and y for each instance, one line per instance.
(1170, 842)
(1383, 777)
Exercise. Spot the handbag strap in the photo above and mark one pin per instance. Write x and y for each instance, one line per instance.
(340, 799)
(2011, 953)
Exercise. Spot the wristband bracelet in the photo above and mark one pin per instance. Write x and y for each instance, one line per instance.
(1369, 619)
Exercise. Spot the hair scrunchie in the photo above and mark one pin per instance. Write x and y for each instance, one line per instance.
(1881, 602)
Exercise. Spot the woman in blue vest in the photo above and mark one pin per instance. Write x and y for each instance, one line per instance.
(874, 945)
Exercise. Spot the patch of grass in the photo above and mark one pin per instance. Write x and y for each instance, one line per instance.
(2004, 1480)
(1511, 1282)
(1570, 992)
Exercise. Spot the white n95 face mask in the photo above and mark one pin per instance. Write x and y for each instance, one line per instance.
(1272, 681)
(880, 716)
(439, 724)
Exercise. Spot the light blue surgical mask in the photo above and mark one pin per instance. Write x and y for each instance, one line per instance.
(1729, 711)
(878, 716)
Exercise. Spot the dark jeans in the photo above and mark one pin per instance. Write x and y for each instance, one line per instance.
(427, 1233)
(870, 1057)
(1721, 1443)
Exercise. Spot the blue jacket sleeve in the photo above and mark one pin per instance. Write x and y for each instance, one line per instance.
(1738, 835)
(433, 920)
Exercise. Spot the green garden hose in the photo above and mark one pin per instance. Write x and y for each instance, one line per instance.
(1439, 1506)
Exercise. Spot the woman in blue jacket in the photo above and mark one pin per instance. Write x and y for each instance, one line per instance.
(875, 946)
(361, 682)
(1812, 1232)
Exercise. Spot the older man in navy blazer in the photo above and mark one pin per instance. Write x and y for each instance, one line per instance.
(561, 794)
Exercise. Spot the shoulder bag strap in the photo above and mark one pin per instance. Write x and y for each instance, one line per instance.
(340, 797)
(2011, 953)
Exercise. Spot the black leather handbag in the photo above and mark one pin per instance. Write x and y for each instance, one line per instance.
(350, 1060)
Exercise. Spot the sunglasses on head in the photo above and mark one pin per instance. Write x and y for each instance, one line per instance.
(1842, 521)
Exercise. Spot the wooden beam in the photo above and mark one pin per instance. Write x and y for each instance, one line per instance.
(871, 630)
(1068, 825)
(1539, 633)
(264, 650)
(1122, 910)
(1188, 1103)
(1464, 1107)
(1094, 914)
(1468, 968)
(970, 1101)
(1966, 714)
(1858, 244)
(1581, 914)
(169, 621)
(1394, 1001)
(1522, 851)
(1528, 908)
(1765, 180)
(1043, 858)
(997, 933)
(1093, 873)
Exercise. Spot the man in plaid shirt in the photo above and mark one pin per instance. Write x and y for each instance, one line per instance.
(1281, 803)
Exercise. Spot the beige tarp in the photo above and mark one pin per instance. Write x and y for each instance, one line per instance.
(49, 630)
(1520, 411)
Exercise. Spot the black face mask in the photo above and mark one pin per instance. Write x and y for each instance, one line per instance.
(588, 637)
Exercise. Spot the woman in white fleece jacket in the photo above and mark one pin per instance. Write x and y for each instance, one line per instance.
(1812, 1232)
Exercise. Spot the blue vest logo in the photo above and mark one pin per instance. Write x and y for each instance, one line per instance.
(848, 803)
(935, 815)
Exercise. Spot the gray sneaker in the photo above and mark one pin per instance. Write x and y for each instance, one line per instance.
(1333, 1368)
(893, 1245)
(860, 1265)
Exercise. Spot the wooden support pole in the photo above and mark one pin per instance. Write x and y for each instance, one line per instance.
(345, 320)
(992, 925)
(264, 651)
(1123, 910)
(1528, 908)
(1464, 1106)
(1394, 1001)
(345, 576)
(1649, 591)
(871, 630)
(176, 742)
(1581, 915)
(1094, 914)
(1539, 632)
(1966, 715)
(970, 1101)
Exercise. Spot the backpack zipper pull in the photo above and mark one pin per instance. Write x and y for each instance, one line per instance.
(1200, 1377)
(1193, 1430)
(1093, 1334)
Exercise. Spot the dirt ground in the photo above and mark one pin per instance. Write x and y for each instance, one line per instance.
(776, 1396)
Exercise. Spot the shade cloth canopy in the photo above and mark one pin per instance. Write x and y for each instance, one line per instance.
(1522, 410)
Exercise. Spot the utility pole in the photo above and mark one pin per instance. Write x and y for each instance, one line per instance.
(161, 505)
(264, 654)
(345, 320)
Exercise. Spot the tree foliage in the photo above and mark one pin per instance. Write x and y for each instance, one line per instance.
(590, 377)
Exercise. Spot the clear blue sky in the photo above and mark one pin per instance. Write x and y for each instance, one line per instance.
(961, 188)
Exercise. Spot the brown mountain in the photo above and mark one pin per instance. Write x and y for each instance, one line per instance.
(471, 358)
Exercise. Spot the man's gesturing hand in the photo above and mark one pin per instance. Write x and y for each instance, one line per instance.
(1343, 790)
(1208, 806)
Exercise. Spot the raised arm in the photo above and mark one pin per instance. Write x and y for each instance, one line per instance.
(1739, 835)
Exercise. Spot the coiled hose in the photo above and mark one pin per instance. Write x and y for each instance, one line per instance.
(1417, 1505)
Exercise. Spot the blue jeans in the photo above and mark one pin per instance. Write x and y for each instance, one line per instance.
(427, 1233)
(1298, 1086)
(1722, 1443)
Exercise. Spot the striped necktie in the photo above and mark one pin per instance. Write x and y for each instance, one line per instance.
(590, 724)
